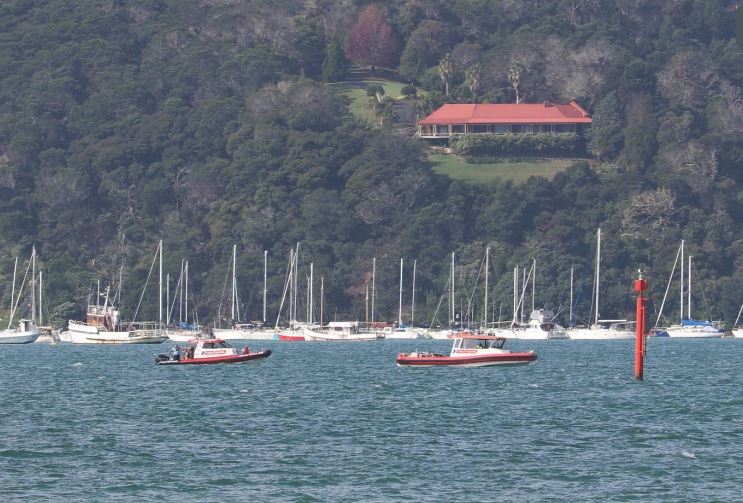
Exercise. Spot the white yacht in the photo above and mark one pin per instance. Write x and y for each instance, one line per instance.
(541, 326)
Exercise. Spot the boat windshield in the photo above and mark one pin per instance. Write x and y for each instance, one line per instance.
(215, 345)
(481, 343)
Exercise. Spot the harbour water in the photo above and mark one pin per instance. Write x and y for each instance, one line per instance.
(340, 422)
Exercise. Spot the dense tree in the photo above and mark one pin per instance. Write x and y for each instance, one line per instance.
(372, 41)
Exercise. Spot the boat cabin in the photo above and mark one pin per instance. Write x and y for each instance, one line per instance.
(475, 342)
(210, 348)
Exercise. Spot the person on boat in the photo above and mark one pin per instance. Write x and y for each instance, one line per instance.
(177, 353)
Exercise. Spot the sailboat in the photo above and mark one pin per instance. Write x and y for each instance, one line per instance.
(25, 331)
(240, 330)
(602, 329)
(401, 331)
(688, 327)
(182, 330)
(541, 324)
(103, 324)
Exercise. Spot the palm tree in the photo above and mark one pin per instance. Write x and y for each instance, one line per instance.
(472, 75)
(446, 68)
(514, 77)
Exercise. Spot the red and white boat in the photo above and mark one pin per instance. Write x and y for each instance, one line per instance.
(469, 350)
(206, 351)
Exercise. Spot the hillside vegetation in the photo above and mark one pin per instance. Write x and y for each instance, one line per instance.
(208, 124)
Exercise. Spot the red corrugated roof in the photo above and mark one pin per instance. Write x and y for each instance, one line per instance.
(523, 113)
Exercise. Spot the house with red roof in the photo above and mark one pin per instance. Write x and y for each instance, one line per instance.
(522, 118)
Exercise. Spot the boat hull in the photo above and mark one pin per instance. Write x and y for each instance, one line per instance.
(233, 334)
(599, 334)
(213, 360)
(14, 337)
(86, 334)
(437, 360)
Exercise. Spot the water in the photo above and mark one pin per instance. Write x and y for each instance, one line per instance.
(340, 422)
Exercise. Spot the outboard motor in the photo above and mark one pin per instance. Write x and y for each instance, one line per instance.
(162, 357)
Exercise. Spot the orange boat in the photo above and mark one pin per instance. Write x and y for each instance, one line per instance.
(207, 351)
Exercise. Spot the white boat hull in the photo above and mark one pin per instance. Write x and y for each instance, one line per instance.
(604, 334)
(537, 335)
(314, 335)
(693, 332)
(738, 332)
(79, 333)
(233, 334)
(11, 336)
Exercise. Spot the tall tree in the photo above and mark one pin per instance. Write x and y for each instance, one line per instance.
(514, 77)
(372, 41)
(335, 63)
(446, 69)
(472, 75)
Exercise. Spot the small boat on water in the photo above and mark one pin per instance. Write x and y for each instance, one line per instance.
(208, 351)
(23, 333)
(469, 351)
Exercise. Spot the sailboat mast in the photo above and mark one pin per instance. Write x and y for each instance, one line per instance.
(265, 282)
(234, 280)
(180, 292)
(515, 290)
(570, 319)
(12, 295)
(485, 295)
(33, 284)
(41, 289)
(322, 300)
(185, 280)
(312, 285)
(524, 286)
(688, 292)
(598, 273)
(167, 299)
(412, 305)
(366, 305)
(291, 286)
(681, 269)
(451, 292)
(160, 281)
(533, 282)
(374, 278)
(399, 310)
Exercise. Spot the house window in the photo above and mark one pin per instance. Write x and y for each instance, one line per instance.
(501, 129)
(477, 128)
(519, 128)
(457, 128)
(442, 130)
(565, 128)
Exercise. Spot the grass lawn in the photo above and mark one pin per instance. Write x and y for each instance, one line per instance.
(518, 171)
(356, 92)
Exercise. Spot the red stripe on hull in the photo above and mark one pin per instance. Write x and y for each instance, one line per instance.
(511, 359)
(225, 359)
(295, 338)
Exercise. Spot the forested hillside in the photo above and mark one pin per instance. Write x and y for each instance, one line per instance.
(208, 123)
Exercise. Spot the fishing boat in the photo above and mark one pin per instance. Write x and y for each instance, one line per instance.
(103, 324)
(210, 351)
(340, 331)
(469, 351)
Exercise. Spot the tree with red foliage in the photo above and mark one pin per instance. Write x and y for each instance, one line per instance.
(372, 41)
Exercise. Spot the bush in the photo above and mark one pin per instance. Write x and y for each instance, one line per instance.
(374, 90)
(408, 90)
(494, 144)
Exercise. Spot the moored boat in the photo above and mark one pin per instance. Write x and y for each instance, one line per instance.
(469, 351)
(23, 333)
(209, 351)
